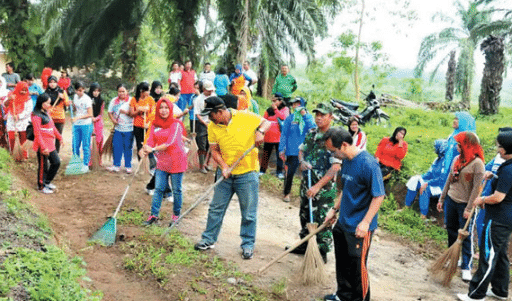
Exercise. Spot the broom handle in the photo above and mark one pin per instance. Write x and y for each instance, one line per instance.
(126, 191)
(310, 200)
(481, 188)
(207, 192)
(300, 242)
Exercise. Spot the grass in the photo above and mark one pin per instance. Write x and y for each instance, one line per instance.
(201, 275)
(43, 271)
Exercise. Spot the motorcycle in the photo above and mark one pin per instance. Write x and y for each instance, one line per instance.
(345, 110)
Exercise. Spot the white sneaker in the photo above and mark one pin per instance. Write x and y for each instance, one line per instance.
(85, 169)
(150, 191)
(113, 168)
(490, 293)
(46, 190)
(465, 297)
(466, 275)
(51, 186)
(129, 170)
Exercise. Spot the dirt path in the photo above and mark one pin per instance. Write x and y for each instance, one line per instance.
(83, 202)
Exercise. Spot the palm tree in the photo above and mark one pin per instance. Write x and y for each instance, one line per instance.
(475, 23)
(450, 76)
(492, 79)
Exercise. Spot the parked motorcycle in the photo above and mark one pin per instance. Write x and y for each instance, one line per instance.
(345, 110)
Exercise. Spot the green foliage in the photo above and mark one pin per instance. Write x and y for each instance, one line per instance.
(5, 168)
(46, 275)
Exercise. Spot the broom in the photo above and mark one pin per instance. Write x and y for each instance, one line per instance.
(17, 152)
(108, 147)
(445, 267)
(106, 235)
(207, 192)
(312, 270)
(95, 154)
(296, 245)
(145, 159)
(192, 152)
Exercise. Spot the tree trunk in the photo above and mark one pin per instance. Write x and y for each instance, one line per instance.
(356, 71)
(450, 77)
(492, 80)
(243, 34)
(129, 54)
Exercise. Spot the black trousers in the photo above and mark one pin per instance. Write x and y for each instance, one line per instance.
(60, 128)
(292, 163)
(138, 133)
(46, 174)
(493, 264)
(265, 158)
(351, 258)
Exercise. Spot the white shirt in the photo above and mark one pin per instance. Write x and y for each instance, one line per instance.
(250, 73)
(175, 77)
(209, 76)
(199, 105)
(124, 121)
(82, 104)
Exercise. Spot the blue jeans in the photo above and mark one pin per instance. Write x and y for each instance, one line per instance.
(424, 198)
(246, 188)
(184, 100)
(454, 215)
(123, 143)
(161, 185)
(82, 137)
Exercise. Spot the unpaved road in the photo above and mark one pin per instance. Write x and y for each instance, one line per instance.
(79, 208)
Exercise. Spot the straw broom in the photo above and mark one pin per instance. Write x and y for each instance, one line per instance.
(95, 154)
(312, 271)
(445, 267)
(17, 152)
(108, 147)
(145, 159)
(192, 152)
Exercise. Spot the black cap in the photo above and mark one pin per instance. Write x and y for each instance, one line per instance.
(212, 103)
(278, 95)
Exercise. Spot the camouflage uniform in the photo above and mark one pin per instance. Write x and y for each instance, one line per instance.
(320, 159)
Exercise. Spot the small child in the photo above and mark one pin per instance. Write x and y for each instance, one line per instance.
(82, 124)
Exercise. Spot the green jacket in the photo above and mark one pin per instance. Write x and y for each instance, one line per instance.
(286, 85)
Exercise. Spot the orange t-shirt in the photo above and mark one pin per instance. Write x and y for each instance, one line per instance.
(138, 120)
(58, 113)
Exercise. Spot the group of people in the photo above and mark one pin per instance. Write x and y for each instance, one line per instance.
(342, 181)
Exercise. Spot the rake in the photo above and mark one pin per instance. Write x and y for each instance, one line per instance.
(106, 235)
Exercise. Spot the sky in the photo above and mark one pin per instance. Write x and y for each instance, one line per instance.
(401, 39)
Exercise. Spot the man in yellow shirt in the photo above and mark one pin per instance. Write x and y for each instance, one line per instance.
(230, 134)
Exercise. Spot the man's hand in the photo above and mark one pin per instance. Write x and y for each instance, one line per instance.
(226, 172)
(305, 165)
(258, 138)
(423, 187)
(479, 201)
(440, 206)
(362, 229)
(282, 156)
(488, 175)
(331, 217)
(312, 191)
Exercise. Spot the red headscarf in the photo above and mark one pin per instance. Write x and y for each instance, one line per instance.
(167, 122)
(470, 149)
(47, 72)
(17, 104)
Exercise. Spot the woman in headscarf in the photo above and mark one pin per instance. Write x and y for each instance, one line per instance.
(166, 143)
(45, 133)
(19, 108)
(463, 122)
(429, 184)
(460, 191)
(98, 106)
(142, 107)
(59, 102)
(238, 79)
(391, 151)
(246, 102)
(156, 90)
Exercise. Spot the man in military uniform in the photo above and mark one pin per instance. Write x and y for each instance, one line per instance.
(317, 162)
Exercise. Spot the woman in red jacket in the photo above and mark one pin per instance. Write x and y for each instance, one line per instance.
(45, 133)
(391, 151)
(276, 114)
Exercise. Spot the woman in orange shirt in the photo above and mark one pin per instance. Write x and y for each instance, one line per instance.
(391, 151)
(142, 108)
